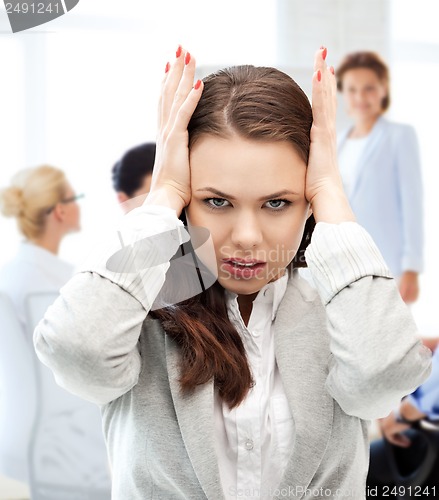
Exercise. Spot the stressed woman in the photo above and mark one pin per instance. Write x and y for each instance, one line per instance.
(261, 385)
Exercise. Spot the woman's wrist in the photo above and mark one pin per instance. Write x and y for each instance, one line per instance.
(165, 198)
(332, 206)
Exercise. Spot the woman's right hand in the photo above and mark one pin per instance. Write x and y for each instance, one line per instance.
(170, 185)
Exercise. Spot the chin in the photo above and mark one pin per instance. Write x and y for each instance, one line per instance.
(242, 287)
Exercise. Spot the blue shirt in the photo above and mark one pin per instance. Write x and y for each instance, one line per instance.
(426, 396)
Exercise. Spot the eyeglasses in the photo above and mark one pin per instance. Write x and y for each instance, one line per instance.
(67, 200)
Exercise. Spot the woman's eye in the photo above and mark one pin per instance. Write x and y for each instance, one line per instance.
(216, 202)
(278, 204)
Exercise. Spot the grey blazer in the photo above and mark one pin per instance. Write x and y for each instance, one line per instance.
(344, 358)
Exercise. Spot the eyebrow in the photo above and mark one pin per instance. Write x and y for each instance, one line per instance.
(267, 197)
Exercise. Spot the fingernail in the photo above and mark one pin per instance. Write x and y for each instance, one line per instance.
(324, 53)
(331, 69)
(197, 84)
(319, 76)
(167, 67)
(178, 53)
(187, 58)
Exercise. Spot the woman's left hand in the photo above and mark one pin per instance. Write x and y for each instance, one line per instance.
(324, 186)
(409, 287)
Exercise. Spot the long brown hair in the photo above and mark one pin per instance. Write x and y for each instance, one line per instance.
(260, 104)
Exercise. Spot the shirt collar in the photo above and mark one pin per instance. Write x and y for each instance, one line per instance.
(272, 293)
(51, 263)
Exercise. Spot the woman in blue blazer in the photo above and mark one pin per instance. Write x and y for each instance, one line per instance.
(380, 166)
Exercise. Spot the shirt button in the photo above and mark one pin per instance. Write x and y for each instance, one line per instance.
(249, 444)
(256, 333)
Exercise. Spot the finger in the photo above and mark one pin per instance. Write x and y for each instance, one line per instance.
(170, 85)
(319, 81)
(323, 90)
(320, 59)
(399, 440)
(187, 109)
(320, 63)
(159, 110)
(184, 88)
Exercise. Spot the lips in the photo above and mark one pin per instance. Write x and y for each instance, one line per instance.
(243, 262)
(243, 268)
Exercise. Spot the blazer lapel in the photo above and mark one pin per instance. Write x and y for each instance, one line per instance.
(302, 351)
(195, 417)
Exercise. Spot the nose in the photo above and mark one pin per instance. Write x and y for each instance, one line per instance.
(246, 231)
(361, 96)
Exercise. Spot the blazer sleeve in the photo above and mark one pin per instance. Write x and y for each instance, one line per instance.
(89, 336)
(409, 176)
(377, 356)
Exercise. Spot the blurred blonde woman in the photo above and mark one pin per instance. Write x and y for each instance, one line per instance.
(46, 209)
(58, 446)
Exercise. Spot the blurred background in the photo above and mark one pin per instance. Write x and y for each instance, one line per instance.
(79, 91)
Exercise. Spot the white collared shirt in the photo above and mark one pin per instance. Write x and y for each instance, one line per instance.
(349, 161)
(253, 441)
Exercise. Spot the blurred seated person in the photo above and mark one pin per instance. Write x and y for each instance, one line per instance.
(69, 456)
(405, 434)
(132, 175)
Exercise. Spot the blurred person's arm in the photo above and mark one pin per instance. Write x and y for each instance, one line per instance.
(411, 195)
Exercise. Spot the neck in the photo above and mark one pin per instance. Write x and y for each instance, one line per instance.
(362, 127)
(245, 304)
(49, 242)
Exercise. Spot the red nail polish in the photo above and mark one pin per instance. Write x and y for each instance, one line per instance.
(324, 53)
(187, 58)
(319, 76)
(331, 69)
(197, 84)
(178, 53)
(167, 67)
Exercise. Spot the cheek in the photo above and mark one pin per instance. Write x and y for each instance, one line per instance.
(291, 237)
(200, 217)
(282, 240)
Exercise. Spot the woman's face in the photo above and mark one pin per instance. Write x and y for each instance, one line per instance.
(71, 211)
(250, 196)
(363, 93)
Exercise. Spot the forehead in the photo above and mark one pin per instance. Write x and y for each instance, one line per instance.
(236, 163)
(359, 76)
